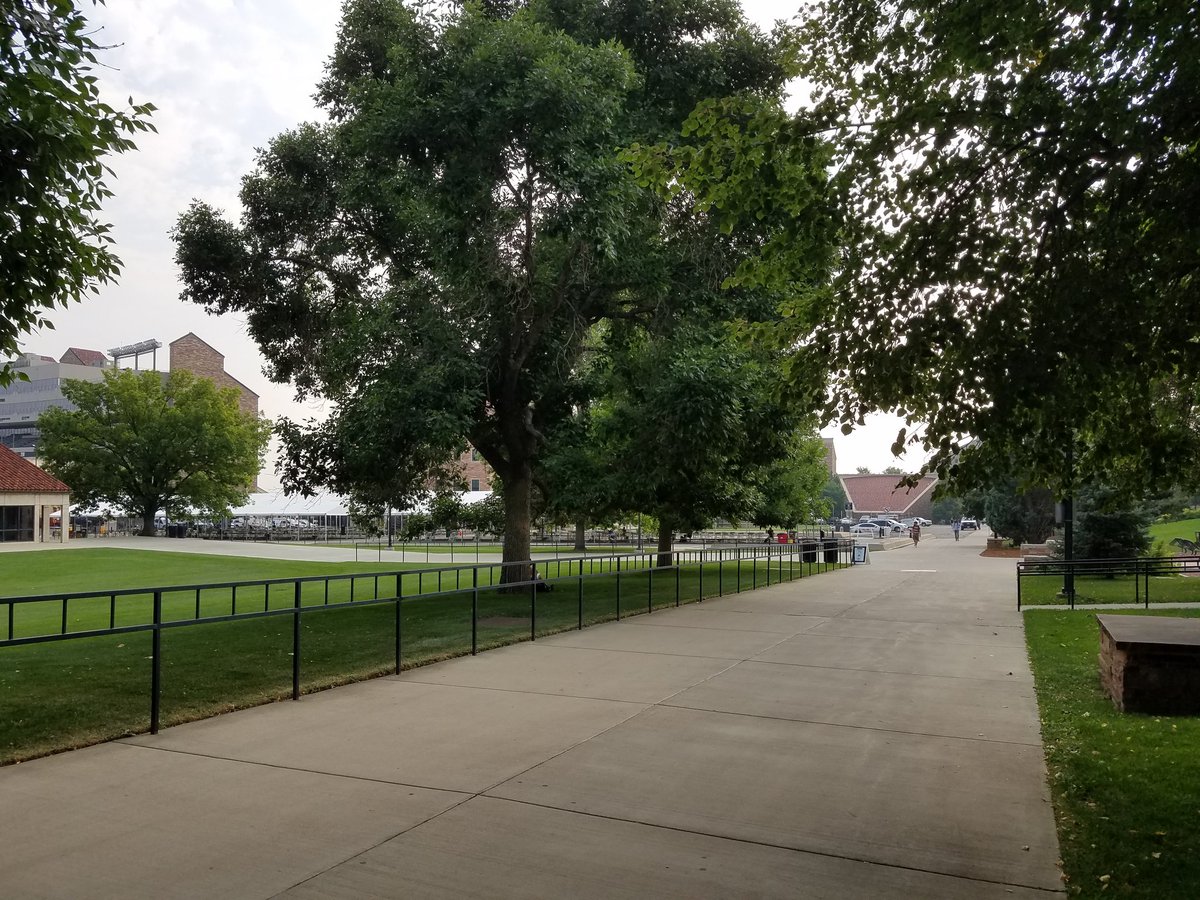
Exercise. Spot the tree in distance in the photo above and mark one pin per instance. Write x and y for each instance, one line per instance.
(144, 443)
(433, 258)
(1024, 515)
(54, 135)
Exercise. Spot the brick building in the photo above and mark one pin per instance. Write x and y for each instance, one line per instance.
(878, 495)
(191, 354)
(476, 473)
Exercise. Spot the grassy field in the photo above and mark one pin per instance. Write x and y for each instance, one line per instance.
(64, 694)
(1184, 528)
(1041, 590)
(1126, 787)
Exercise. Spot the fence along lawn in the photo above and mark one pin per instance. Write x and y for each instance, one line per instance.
(70, 693)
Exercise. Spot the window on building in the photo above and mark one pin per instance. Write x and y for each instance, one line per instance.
(474, 456)
(474, 484)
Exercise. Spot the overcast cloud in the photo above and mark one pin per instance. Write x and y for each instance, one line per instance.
(226, 76)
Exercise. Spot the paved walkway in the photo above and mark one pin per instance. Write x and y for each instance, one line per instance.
(867, 733)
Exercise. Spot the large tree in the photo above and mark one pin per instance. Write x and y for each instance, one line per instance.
(142, 443)
(1023, 188)
(692, 426)
(54, 135)
(433, 257)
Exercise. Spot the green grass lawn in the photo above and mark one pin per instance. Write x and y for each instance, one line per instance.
(1126, 787)
(1184, 528)
(65, 694)
(1041, 590)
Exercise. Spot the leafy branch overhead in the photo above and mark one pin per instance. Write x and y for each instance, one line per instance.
(1022, 191)
(55, 133)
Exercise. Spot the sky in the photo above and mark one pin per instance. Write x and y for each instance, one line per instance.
(227, 76)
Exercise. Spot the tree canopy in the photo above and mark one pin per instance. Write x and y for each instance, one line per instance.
(142, 443)
(1019, 188)
(54, 135)
(434, 257)
(1022, 186)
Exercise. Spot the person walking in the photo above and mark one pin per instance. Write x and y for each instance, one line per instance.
(956, 527)
(915, 533)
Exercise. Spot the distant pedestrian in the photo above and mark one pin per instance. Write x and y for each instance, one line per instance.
(770, 535)
(956, 527)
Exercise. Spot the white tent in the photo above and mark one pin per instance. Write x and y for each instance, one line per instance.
(277, 503)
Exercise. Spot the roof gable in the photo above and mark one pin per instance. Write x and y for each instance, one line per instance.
(192, 338)
(877, 493)
(85, 357)
(19, 476)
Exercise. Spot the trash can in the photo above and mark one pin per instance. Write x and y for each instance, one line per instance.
(831, 550)
(809, 551)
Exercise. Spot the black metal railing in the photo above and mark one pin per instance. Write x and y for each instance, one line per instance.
(1142, 569)
(79, 615)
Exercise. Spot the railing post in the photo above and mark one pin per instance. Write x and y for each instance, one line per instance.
(618, 589)
(156, 664)
(1018, 587)
(739, 570)
(650, 589)
(700, 594)
(296, 644)
(581, 595)
(720, 573)
(474, 611)
(399, 600)
(678, 565)
(532, 605)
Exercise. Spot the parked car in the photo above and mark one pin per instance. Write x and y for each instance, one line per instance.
(866, 530)
(969, 524)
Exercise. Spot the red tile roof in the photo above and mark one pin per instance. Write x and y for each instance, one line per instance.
(876, 493)
(86, 357)
(19, 476)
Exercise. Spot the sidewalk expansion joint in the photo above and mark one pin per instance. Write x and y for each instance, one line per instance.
(773, 846)
(652, 652)
(283, 768)
(484, 687)
(949, 737)
(998, 679)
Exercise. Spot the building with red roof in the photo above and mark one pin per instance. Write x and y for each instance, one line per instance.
(877, 495)
(78, 356)
(28, 496)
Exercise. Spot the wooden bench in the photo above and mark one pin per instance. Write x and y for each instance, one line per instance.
(1151, 664)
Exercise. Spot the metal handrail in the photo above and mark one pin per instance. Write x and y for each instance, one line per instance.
(1141, 567)
(810, 553)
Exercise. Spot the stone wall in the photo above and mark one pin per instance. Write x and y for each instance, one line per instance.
(1152, 679)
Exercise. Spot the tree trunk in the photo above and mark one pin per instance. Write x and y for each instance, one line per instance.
(148, 522)
(581, 535)
(666, 539)
(517, 485)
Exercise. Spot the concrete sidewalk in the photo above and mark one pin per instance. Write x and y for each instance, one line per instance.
(867, 733)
